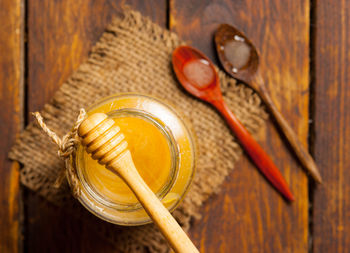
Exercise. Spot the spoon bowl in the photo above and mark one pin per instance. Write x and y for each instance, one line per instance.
(240, 59)
(228, 34)
(196, 73)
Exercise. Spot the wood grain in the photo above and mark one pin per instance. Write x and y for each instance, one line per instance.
(60, 35)
(248, 215)
(331, 206)
(11, 95)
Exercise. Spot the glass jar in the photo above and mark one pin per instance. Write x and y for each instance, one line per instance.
(163, 151)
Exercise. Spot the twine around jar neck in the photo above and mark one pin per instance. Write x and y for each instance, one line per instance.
(67, 147)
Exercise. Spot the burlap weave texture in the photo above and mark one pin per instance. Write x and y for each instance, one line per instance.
(134, 55)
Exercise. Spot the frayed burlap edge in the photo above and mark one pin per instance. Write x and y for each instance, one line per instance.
(134, 55)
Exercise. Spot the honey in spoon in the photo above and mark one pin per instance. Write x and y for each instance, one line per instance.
(237, 52)
(199, 72)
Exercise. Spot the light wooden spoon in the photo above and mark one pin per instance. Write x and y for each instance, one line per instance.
(102, 138)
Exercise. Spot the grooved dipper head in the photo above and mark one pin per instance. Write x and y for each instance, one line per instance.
(102, 138)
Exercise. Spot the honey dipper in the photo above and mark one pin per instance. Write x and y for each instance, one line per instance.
(104, 141)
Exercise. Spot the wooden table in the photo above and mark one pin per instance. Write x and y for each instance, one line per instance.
(305, 55)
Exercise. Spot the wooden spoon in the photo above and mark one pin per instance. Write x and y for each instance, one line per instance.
(240, 59)
(198, 76)
(102, 138)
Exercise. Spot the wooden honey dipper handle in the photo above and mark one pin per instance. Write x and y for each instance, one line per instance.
(102, 138)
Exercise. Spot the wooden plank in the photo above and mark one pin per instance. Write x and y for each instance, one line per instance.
(331, 218)
(60, 35)
(11, 96)
(248, 215)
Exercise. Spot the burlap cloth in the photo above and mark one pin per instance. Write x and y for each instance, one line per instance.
(134, 55)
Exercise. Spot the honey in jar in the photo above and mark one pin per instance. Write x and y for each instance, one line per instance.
(162, 149)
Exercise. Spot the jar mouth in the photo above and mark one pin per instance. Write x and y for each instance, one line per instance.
(167, 185)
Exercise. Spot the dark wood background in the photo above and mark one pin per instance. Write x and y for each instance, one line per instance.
(304, 49)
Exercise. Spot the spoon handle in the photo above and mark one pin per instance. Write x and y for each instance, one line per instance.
(166, 223)
(304, 157)
(257, 154)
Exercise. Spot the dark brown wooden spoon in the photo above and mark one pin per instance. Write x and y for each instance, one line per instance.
(240, 59)
(198, 76)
